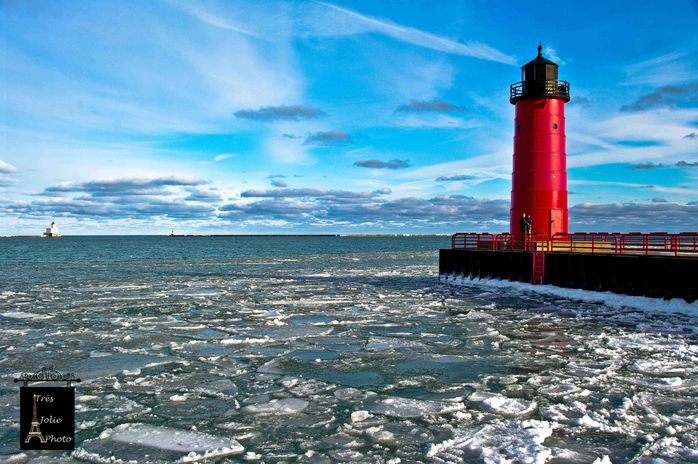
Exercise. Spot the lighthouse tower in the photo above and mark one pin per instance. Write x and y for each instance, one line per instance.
(539, 178)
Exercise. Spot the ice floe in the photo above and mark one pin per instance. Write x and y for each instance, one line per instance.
(500, 404)
(282, 406)
(408, 407)
(142, 442)
(497, 443)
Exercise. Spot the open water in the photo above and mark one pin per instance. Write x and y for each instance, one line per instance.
(333, 349)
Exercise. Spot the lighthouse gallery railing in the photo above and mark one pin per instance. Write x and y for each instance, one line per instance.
(660, 243)
(551, 88)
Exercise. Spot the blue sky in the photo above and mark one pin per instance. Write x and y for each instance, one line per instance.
(342, 117)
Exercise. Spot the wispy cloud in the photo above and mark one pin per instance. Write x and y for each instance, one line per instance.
(645, 166)
(114, 187)
(333, 137)
(552, 54)
(428, 120)
(210, 18)
(459, 177)
(6, 181)
(7, 168)
(119, 85)
(680, 96)
(669, 68)
(311, 193)
(579, 101)
(278, 183)
(224, 156)
(604, 140)
(281, 113)
(377, 164)
(360, 23)
(429, 106)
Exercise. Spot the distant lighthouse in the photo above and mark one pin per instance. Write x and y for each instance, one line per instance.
(52, 231)
(539, 178)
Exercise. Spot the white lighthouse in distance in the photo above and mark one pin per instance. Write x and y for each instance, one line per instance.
(52, 231)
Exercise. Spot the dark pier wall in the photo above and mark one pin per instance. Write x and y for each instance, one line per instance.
(652, 276)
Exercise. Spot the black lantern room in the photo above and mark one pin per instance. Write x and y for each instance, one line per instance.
(539, 80)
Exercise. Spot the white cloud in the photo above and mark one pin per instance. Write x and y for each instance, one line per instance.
(175, 82)
(669, 68)
(551, 53)
(336, 20)
(433, 121)
(7, 168)
(665, 128)
(224, 156)
(285, 150)
(215, 19)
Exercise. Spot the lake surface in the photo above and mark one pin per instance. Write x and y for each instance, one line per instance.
(332, 349)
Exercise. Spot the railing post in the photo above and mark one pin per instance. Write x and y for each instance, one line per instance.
(646, 241)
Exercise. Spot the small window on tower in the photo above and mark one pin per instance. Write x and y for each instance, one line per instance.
(554, 126)
(518, 128)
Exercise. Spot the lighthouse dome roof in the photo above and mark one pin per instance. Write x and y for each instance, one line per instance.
(540, 59)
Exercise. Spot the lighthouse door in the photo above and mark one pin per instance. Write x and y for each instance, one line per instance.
(555, 222)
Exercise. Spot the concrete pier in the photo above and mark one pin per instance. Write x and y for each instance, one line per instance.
(652, 276)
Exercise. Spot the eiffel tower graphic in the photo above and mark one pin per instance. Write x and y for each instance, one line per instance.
(34, 429)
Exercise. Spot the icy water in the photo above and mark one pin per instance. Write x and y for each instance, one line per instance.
(332, 349)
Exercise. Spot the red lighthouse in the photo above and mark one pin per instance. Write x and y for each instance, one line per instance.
(539, 179)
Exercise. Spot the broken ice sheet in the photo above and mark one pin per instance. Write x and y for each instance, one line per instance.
(498, 442)
(142, 442)
(408, 407)
(505, 406)
(282, 406)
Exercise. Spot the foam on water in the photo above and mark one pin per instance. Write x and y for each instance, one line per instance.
(613, 300)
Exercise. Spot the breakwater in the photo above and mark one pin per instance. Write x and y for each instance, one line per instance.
(642, 275)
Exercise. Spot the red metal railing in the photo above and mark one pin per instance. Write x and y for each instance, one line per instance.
(685, 243)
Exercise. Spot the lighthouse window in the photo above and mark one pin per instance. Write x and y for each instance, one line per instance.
(555, 125)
